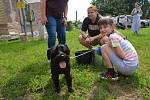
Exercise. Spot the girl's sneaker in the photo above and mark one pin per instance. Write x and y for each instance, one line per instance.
(109, 75)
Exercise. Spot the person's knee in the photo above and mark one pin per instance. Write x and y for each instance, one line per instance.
(104, 40)
(104, 48)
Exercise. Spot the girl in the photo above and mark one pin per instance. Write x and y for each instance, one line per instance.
(118, 53)
(136, 13)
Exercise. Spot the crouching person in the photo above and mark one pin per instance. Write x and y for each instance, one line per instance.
(117, 52)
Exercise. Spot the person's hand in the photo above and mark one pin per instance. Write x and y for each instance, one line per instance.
(87, 40)
(105, 40)
(104, 34)
(44, 20)
(64, 20)
(91, 39)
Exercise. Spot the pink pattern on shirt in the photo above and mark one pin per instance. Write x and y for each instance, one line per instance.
(130, 52)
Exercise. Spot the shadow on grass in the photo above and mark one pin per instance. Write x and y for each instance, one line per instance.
(94, 67)
(129, 87)
(18, 45)
(32, 82)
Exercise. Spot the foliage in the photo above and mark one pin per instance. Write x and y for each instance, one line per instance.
(73, 24)
(70, 26)
(119, 7)
(112, 7)
(25, 72)
(146, 9)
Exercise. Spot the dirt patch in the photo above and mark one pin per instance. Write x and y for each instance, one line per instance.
(131, 96)
(125, 93)
(114, 91)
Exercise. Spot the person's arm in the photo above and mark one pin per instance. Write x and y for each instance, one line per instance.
(119, 52)
(132, 12)
(105, 40)
(65, 15)
(84, 34)
(66, 11)
(84, 28)
(97, 37)
(115, 45)
(43, 12)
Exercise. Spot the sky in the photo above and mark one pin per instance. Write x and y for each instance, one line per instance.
(80, 6)
(74, 5)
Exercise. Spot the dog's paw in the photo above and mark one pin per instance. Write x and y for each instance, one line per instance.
(57, 91)
(70, 90)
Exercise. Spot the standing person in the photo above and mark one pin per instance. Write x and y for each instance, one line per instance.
(118, 53)
(54, 17)
(90, 31)
(126, 21)
(136, 13)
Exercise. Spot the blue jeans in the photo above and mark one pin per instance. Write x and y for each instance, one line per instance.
(98, 51)
(54, 28)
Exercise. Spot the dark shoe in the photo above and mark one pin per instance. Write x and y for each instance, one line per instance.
(109, 75)
(57, 90)
(121, 75)
(137, 33)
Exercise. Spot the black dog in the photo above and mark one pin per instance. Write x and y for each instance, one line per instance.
(60, 64)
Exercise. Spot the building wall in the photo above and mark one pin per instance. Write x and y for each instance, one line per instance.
(3, 14)
(10, 19)
(8, 12)
(36, 9)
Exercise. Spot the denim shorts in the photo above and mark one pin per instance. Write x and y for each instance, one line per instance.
(121, 66)
(98, 50)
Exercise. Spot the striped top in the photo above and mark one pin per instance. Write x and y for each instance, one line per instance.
(131, 57)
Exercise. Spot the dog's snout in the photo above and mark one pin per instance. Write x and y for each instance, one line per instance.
(62, 55)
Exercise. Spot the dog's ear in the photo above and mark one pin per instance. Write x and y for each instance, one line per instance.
(67, 49)
(49, 53)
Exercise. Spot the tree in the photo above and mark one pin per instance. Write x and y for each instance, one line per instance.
(69, 25)
(146, 8)
(119, 7)
(113, 7)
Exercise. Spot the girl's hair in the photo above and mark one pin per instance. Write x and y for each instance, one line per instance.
(93, 8)
(137, 3)
(107, 20)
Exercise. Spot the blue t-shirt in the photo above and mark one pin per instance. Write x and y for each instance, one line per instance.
(92, 28)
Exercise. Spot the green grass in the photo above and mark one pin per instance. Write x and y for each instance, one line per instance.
(25, 72)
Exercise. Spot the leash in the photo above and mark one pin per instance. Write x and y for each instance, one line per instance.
(82, 54)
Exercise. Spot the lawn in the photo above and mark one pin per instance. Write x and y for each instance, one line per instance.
(25, 73)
